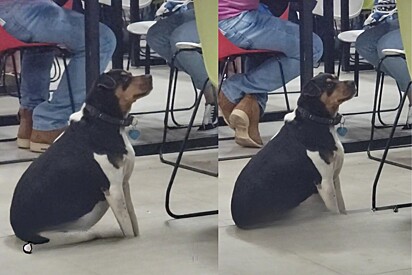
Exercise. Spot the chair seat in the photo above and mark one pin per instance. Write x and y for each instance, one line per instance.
(140, 28)
(188, 45)
(350, 36)
(393, 52)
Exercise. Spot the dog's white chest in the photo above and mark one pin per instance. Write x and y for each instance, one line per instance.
(129, 159)
(327, 170)
(339, 153)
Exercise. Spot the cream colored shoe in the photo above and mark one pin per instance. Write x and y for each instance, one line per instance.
(245, 120)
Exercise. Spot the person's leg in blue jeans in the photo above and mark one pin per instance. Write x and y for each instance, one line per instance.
(255, 30)
(386, 36)
(162, 38)
(32, 23)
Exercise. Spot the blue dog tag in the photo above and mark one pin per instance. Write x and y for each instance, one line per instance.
(133, 133)
(342, 131)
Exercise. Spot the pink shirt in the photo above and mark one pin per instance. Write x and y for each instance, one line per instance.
(232, 8)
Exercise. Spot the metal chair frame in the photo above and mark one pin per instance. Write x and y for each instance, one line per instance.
(382, 160)
(177, 164)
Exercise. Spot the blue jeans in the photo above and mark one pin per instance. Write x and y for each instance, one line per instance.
(386, 35)
(255, 30)
(163, 36)
(44, 21)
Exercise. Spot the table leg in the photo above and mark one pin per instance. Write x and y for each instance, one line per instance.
(344, 9)
(117, 59)
(329, 38)
(91, 18)
(135, 17)
(306, 41)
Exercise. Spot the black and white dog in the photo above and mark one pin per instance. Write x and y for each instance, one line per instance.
(305, 157)
(69, 188)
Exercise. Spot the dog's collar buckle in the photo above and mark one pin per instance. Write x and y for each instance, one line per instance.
(94, 112)
(321, 120)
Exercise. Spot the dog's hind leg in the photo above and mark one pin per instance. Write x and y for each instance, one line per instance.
(58, 238)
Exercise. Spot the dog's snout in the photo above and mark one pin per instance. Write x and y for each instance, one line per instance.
(149, 79)
(146, 78)
(351, 84)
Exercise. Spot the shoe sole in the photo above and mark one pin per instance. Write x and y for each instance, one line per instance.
(38, 147)
(23, 143)
(240, 122)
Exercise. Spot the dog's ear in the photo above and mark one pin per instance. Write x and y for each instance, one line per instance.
(105, 81)
(316, 86)
(312, 89)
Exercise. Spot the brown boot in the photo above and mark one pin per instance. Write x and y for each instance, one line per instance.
(245, 120)
(226, 107)
(25, 127)
(40, 141)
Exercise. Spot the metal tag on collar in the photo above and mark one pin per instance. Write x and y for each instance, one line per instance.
(338, 119)
(342, 130)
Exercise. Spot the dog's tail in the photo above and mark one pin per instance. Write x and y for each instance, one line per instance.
(31, 238)
(25, 232)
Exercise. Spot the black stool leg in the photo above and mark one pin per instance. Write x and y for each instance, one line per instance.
(69, 86)
(356, 72)
(2, 68)
(167, 110)
(131, 48)
(378, 94)
(16, 78)
(340, 58)
(147, 59)
(284, 85)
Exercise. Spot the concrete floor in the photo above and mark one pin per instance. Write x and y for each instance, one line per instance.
(311, 240)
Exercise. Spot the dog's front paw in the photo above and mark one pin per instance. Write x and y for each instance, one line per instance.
(136, 232)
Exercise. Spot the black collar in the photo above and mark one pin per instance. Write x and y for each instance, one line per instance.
(321, 120)
(109, 119)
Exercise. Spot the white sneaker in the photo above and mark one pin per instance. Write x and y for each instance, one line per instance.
(210, 119)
